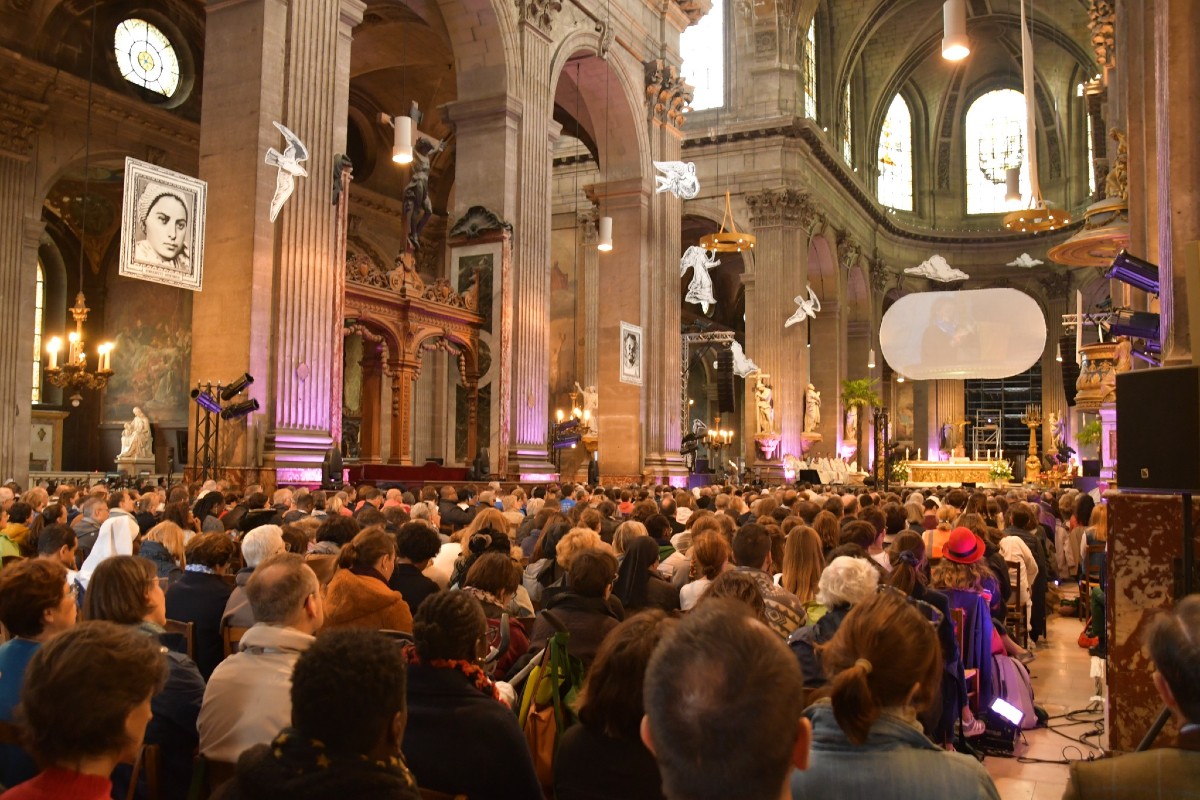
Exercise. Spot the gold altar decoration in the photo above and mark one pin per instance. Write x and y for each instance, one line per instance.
(1097, 382)
(949, 472)
(728, 241)
(1032, 418)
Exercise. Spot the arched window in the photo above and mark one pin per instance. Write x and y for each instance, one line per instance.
(810, 70)
(703, 49)
(847, 127)
(995, 139)
(146, 56)
(895, 157)
(39, 304)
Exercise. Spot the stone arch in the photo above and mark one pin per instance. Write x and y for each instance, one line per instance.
(483, 34)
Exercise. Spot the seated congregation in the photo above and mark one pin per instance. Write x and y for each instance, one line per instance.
(571, 642)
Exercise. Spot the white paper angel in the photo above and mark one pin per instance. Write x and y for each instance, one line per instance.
(1025, 261)
(678, 178)
(699, 261)
(805, 307)
(742, 366)
(289, 168)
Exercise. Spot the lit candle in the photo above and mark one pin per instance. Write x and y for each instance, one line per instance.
(918, 454)
(559, 415)
(73, 347)
(906, 454)
(52, 348)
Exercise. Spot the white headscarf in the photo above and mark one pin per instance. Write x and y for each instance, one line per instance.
(115, 538)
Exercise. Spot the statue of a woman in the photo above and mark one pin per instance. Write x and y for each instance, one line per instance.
(135, 437)
(765, 405)
(812, 409)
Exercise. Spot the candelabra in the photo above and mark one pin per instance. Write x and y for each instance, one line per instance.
(1032, 418)
(717, 439)
(73, 373)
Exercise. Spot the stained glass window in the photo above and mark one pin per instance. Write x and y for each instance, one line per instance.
(810, 71)
(39, 304)
(895, 157)
(703, 49)
(995, 138)
(146, 56)
(847, 127)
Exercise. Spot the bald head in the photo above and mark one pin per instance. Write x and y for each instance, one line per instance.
(281, 591)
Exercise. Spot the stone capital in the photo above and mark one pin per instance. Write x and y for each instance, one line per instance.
(879, 274)
(1102, 22)
(668, 95)
(540, 13)
(20, 120)
(849, 251)
(783, 207)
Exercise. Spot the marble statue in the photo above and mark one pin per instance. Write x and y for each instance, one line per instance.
(812, 409)
(699, 261)
(1058, 430)
(743, 366)
(136, 442)
(765, 404)
(589, 399)
(852, 424)
(1123, 356)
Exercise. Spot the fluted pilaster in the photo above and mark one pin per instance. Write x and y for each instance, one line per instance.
(18, 277)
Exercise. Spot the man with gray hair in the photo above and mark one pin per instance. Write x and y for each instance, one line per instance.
(257, 546)
(248, 698)
(92, 514)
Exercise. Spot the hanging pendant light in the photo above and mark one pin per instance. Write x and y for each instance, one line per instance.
(955, 44)
(1039, 216)
(871, 359)
(1058, 353)
(402, 151)
(731, 240)
(604, 241)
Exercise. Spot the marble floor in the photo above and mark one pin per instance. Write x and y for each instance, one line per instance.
(1061, 683)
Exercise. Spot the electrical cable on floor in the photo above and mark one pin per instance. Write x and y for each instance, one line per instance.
(1095, 719)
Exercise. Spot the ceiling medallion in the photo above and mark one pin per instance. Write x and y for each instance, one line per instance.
(728, 241)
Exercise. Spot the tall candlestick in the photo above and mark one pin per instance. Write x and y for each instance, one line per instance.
(918, 454)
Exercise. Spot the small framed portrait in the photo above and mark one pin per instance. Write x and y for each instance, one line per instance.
(631, 354)
(162, 226)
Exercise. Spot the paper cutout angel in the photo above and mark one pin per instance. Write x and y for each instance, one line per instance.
(699, 261)
(742, 366)
(289, 168)
(678, 178)
(805, 307)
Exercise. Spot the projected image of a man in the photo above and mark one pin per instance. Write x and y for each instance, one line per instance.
(949, 339)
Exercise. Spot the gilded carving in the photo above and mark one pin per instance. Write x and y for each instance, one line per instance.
(1116, 184)
(668, 95)
(1102, 21)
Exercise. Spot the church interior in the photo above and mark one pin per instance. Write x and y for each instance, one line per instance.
(921, 244)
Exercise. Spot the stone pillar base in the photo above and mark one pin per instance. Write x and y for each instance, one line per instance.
(530, 465)
(669, 467)
(135, 466)
(294, 458)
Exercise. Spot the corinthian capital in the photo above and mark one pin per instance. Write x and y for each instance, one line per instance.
(668, 95)
(539, 12)
(784, 207)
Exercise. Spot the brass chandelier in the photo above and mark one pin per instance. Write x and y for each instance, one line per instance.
(728, 241)
(73, 373)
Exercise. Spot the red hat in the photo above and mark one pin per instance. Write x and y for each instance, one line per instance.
(963, 547)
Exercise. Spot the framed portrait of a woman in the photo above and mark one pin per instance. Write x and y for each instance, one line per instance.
(162, 226)
(631, 354)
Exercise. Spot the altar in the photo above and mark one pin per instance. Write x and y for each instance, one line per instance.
(949, 473)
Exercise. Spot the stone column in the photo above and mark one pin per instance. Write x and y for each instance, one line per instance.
(1054, 398)
(662, 323)
(528, 454)
(589, 259)
(404, 375)
(271, 289)
(369, 437)
(783, 220)
(20, 233)
(1177, 84)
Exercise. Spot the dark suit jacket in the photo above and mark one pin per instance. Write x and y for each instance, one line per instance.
(201, 598)
(456, 518)
(1163, 772)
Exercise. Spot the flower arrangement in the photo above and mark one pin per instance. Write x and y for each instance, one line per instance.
(899, 472)
(1000, 472)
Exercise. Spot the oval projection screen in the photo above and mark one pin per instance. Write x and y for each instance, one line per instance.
(976, 333)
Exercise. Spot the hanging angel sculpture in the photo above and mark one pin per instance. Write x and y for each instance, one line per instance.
(700, 261)
(805, 307)
(742, 366)
(678, 178)
(288, 163)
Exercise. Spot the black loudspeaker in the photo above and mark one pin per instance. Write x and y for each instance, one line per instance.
(181, 445)
(1158, 435)
(1069, 367)
(725, 381)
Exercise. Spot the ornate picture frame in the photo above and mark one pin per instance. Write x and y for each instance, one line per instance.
(162, 226)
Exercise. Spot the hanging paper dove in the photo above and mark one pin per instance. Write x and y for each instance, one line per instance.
(1024, 260)
(805, 307)
(700, 261)
(742, 366)
(678, 178)
(289, 168)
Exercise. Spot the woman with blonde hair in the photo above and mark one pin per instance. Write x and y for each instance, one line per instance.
(625, 534)
(803, 563)
(164, 547)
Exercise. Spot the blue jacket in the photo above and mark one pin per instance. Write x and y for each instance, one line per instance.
(896, 762)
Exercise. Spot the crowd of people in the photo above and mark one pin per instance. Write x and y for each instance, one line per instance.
(723, 642)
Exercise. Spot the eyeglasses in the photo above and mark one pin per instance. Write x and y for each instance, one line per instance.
(932, 614)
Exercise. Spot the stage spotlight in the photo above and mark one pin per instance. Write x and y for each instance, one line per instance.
(237, 387)
(206, 401)
(239, 410)
(1136, 272)
(566, 441)
(1135, 324)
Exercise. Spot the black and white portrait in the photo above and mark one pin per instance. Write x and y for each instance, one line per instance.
(631, 354)
(162, 226)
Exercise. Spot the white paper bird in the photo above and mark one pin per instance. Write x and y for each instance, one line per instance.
(805, 307)
(1024, 260)
(699, 261)
(743, 367)
(678, 178)
(289, 168)
(937, 269)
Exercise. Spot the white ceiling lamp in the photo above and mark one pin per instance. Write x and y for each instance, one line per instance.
(1058, 353)
(604, 241)
(955, 44)
(402, 151)
(899, 378)
(1012, 182)
(871, 358)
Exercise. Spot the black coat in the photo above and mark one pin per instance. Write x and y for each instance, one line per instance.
(257, 517)
(592, 766)
(163, 561)
(456, 518)
(449, 719)
(200, 598)
(412, 585)
(263, 776)
(804, 643)
(587, 619)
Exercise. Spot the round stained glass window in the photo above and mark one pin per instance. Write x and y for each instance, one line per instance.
(146, 57)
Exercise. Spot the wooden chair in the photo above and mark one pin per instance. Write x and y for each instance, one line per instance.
(186, 631)
(147, 761)
(971, 676)
(1092, 576)
(208, 776)
(1016, 618)
(433, 794)
(231, 635)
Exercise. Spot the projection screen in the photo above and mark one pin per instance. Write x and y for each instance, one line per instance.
(978, 333)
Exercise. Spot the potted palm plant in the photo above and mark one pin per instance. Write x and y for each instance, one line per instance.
(860, 394)
(1089, 438)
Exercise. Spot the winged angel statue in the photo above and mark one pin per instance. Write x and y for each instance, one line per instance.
(700, 261)
(805, 307)
(678, 178)
(289, 168)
